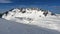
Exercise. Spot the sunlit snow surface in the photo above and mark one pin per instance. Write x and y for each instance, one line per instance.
(34, 17)
(10, 27)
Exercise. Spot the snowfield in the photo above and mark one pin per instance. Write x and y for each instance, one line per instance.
(40, 21)
(10, 27)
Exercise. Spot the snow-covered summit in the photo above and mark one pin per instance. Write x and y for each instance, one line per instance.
(26, 12)
(34, 16)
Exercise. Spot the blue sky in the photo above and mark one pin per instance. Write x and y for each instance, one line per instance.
(52, 5)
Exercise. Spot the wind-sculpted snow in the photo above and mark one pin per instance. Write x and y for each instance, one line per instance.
(10, 27)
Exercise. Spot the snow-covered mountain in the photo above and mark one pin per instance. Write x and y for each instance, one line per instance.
(26, 12)
(34, 16)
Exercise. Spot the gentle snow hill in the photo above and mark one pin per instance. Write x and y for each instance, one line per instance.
(34, 16)
(10, 27)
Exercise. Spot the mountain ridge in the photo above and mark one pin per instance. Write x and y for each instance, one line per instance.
(33, 16)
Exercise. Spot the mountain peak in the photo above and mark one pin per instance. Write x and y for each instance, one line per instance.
(26, 12)
(33, 16)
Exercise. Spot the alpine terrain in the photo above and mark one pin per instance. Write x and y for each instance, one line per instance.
(33, 16)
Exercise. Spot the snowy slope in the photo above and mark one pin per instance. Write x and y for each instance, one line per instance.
(34, 16)
(10, 27)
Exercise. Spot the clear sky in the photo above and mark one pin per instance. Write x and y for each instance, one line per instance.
(52, 5)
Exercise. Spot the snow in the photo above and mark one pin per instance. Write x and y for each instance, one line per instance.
(10, 27)
(34, 17)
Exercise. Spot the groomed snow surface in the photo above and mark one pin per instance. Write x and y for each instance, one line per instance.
(10, 27)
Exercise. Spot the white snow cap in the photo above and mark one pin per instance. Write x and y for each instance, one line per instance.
(25, 12)
(35, 16)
